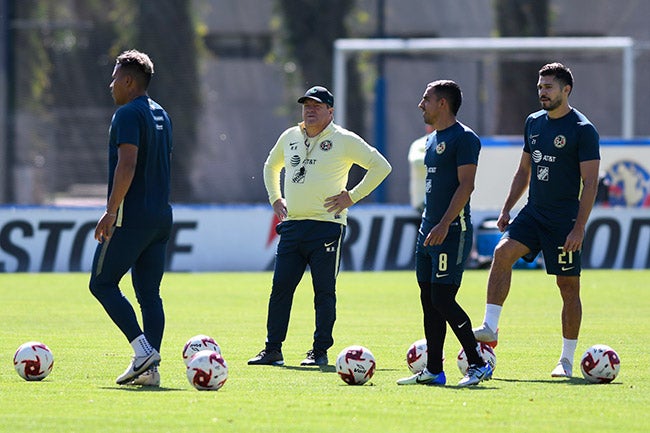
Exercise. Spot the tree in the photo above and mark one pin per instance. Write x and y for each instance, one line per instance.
(167, 35)
(517, 78)
(62, 55)
(311, 27)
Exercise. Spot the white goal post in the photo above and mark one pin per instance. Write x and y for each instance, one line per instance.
(343, 48)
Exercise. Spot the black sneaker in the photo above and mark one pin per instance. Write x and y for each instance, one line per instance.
(267, 357)
(315, 357)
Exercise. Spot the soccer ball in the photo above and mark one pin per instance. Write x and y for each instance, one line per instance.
(600, 364)
(198, 343)
(33, 361)
(207, 371)
(355, 365)
(417, 355)
(486, 352)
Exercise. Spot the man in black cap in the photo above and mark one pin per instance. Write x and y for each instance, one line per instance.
(317, 156)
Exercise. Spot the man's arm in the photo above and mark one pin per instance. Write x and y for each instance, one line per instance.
(127, 158)
(466, 176)
(589, 175)
(377, 169)
(272, 169)
(518, 186)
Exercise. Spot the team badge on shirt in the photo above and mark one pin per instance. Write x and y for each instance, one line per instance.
(542, 173)
(441, 147)
(325, 145)
(299, 175)
(559, 141)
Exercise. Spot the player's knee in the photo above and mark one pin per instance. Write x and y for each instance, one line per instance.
(97, 288)
(505, 255)
(147, 300)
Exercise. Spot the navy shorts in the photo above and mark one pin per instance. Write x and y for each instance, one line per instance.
(444, 263)
(549, 239)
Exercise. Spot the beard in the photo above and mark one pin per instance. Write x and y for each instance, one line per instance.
(550, 104)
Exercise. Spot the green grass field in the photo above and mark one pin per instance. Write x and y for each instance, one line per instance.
(378, 310)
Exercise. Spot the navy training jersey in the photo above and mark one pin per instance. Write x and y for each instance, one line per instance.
(445, 151)
(557, 147)
(145, 124)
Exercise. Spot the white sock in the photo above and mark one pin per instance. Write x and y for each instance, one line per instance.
(492, 314)
(141, 346)
(568, 349)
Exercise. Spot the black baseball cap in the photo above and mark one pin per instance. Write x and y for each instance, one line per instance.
(320, 94)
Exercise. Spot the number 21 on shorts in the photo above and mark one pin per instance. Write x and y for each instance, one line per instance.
(565, 259)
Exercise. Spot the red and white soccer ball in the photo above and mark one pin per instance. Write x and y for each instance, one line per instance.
(355, 365)
(600, 364)
(33, 361)
(198, 343)
(207, 371)
(417, 356)
(485, 350)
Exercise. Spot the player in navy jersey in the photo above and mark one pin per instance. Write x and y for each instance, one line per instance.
(134, 230)
(559, 166)
(445, 235)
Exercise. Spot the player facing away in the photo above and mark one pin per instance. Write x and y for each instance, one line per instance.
(134, 230)
(559, 165)
(316, 156)
(445, 235)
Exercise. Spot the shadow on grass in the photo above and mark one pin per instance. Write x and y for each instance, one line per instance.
(559, 381)
(321, 368)
(142, 388)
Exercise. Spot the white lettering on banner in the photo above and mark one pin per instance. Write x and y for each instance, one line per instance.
(49, 239)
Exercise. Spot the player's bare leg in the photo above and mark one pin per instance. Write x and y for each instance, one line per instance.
(572, 306)
(506, 253)
(571, 319)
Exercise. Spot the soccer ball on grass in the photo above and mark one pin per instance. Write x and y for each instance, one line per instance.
(207, 371)
(198, 343)
(486, 352)
(417, 355)
(600, 364)
(33, 361)
(355, 365)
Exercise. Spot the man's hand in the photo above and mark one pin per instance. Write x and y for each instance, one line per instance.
(574, 239)
(338, 203)
(503, 221)
(437, 235)
(105, 226)
(280, 208)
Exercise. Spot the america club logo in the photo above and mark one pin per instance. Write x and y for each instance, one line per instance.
(441, 147)
(325, 145)
(559, 141)
(629, 184)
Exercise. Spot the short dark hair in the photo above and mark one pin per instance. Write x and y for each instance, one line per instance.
(138, 64)
(560, 72)
(450, 91)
